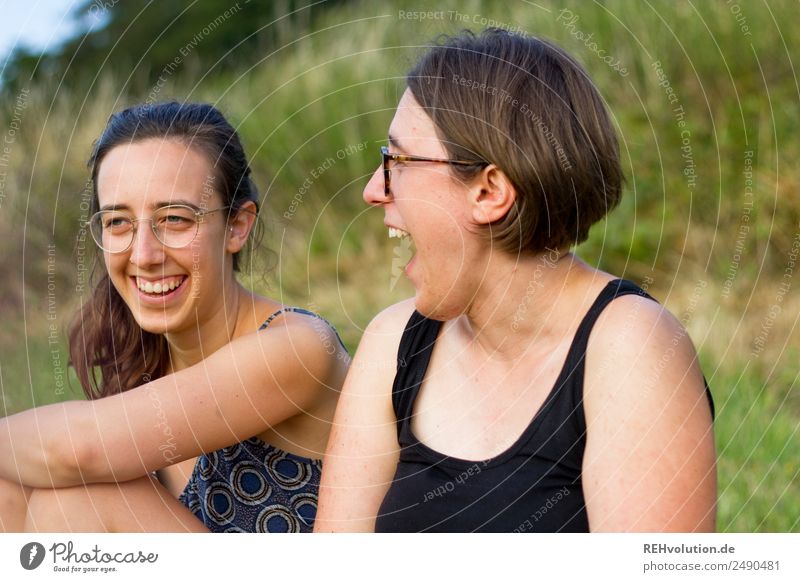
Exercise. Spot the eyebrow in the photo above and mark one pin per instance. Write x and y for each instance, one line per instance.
(154, 206)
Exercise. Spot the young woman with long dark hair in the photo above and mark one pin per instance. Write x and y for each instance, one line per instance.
(224, 395)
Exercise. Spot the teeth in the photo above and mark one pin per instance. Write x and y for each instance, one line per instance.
(160, 286)
(397, 232)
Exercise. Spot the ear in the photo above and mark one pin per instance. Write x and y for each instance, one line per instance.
(491, 195)
(239, 227)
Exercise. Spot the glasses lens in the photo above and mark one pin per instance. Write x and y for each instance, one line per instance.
(112, 230)
(175, 226)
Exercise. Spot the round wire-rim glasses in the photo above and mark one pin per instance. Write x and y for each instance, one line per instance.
(175, 226)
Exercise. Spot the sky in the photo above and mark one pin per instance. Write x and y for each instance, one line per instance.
(37, 24)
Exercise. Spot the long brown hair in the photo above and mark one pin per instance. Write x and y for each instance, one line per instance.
(110, 352)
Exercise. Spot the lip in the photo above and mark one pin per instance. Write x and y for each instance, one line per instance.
(412, 274)
(389, 225)
(159, 300)
(396, 232)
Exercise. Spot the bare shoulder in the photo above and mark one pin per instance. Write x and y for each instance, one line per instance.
(375, 364)
(644, 308)
(302, 339)
(381, 339)
(391, 322)
(295, 347)
(637, 332)
(637, 341)
(649, 426)
(303, 324)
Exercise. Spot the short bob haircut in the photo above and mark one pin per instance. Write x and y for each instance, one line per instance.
(524, 105)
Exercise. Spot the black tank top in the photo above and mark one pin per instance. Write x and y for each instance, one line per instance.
(535, 485)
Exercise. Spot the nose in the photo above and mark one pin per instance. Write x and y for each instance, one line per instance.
(146, 249)
(374, 192)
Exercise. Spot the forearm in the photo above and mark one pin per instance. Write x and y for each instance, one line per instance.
(46, 446)
(176, 417)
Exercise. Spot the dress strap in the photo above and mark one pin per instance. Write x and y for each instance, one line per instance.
(302, 311)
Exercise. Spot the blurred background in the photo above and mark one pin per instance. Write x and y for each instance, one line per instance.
(705, 96)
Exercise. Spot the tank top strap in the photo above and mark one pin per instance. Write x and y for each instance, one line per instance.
(418, 339)
(576, 358)
(413, 356)
(614, 289)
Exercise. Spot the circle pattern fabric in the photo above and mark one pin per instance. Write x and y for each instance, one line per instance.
(254, 487)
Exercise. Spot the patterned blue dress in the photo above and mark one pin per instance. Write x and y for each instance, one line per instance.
(254, 487)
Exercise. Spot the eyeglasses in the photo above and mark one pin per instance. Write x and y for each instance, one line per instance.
(174, 226)
(387, 156)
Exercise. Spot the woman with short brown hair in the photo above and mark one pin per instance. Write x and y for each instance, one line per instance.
(521, 389)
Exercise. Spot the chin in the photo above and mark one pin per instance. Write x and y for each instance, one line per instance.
(156, 322)
(153, 325)
(438, 308)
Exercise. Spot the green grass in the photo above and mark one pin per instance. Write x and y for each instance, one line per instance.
(33, 370)
(337, 87)
(757, 442)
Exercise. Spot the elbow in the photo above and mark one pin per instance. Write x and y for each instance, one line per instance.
(71, 458)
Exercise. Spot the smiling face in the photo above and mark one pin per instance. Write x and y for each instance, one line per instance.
(166, 289)
(429, 204)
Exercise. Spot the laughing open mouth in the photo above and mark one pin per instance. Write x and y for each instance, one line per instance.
(161, 287)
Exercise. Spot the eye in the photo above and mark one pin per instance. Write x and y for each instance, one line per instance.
(116, 223)
(175, 218)
(176, 222)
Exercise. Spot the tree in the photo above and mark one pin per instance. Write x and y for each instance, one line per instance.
(145, 38)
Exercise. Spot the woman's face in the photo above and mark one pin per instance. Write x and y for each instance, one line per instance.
(427, 203)
(167, 289)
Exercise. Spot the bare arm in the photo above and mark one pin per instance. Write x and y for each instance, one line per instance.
(363, 451)
(650, 462)
(255, 382)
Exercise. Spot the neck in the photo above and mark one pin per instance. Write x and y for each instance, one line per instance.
(208, 334)
(517, 306)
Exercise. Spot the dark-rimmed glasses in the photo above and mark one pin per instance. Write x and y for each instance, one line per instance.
(175, 226)
(388, 156)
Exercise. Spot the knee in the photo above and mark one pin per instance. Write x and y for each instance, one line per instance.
(71, 509)
(43, 512)
(13, 506)
(97, 507)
